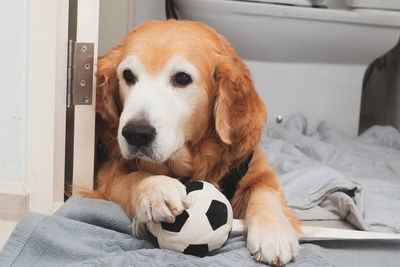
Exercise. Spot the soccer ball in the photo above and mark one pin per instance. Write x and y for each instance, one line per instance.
(203, 227)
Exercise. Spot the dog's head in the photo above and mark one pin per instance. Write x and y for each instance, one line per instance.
(168, 82)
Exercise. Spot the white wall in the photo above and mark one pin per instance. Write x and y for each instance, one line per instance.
(119, 17)
(13, 84)
(115, 22)
(149, 10)
(282, 85)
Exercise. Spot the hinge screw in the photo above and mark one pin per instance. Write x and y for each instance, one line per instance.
(86, 99)
(87, 66)
(84, 48)
(279, 119)
(82, 83)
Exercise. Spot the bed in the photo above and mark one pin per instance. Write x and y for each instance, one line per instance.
(329, 178)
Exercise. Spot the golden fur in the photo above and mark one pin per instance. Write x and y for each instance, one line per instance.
(221, 135)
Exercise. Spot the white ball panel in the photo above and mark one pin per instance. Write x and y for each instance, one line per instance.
(166, 239)
(196, 230)
(221, 235)
(200, 200)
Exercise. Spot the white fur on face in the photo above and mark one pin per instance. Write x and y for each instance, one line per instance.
(153, 98)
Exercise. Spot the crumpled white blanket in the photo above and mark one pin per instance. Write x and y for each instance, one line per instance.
(328, 175)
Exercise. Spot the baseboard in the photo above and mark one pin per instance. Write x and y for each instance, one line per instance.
(14, 201)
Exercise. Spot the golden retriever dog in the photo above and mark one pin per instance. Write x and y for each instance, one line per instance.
(176, 103)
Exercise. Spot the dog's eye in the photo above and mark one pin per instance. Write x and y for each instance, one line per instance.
(181, 79)
(129, 77)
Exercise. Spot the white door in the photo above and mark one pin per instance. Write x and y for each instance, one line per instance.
(45, 128)
(46, 101)
(41, 188)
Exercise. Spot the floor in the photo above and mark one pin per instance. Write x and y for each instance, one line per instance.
(6, 228)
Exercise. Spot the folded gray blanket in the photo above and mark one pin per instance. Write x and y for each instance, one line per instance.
(88, 232)
(328, 175)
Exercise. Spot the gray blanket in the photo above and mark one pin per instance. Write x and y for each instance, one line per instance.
(87, 232)
(328, 175)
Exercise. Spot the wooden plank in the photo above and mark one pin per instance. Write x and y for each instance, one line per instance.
(6, 228)
(323, 233)
(14, 201)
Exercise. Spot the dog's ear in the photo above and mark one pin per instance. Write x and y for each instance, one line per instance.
(239, 112)
(108, 101)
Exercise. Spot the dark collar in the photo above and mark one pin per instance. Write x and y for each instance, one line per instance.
(228, 184)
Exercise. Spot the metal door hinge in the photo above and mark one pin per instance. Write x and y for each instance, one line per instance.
(80, 73)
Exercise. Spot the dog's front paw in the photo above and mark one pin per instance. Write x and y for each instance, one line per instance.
(159, 198)
(274, 244)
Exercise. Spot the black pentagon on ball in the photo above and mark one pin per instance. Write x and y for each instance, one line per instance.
(197, 250)
(178, 224)
(217, 214)
(193, 186)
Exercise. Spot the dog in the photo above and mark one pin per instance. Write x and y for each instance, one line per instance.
(176, 103)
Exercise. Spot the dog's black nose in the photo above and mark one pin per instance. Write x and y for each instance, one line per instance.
(139, 133)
